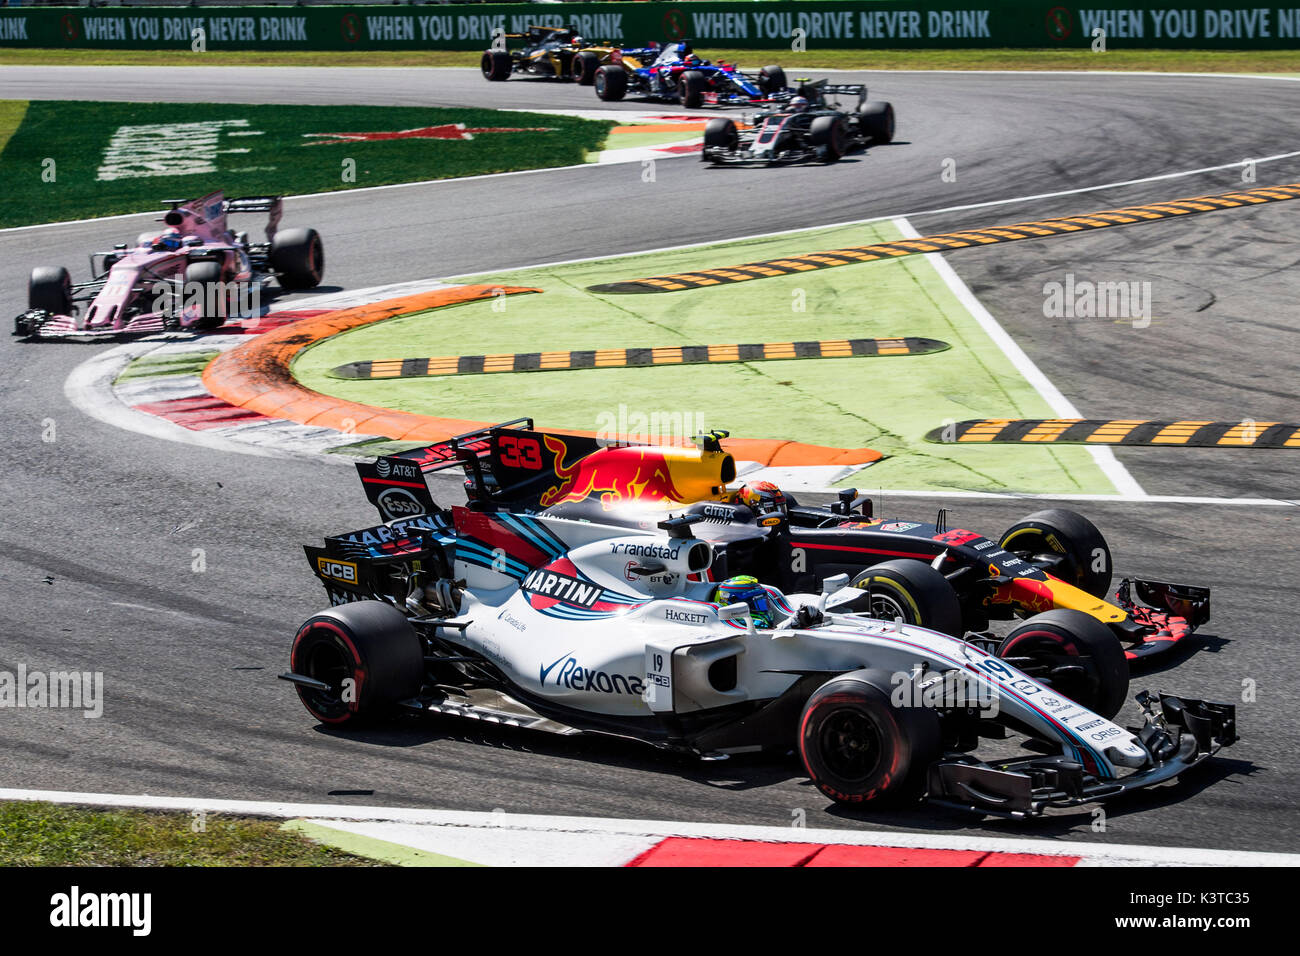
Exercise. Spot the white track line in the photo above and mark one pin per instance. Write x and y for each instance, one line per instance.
(1105, 458)
(1094, 852)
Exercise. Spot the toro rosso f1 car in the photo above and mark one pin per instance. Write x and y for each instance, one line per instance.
(916, 571)
(819, 132)
(193, 275)
(673, 73)
(573, 626)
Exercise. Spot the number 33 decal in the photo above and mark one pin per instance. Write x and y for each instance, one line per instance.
(521, 453)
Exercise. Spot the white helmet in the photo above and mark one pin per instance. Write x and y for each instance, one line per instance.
(798, 104)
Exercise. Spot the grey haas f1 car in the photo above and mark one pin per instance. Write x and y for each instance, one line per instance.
(192, 275)
(820, 132)
(570, 626)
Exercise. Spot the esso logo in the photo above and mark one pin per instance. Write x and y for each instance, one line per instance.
(398, 503)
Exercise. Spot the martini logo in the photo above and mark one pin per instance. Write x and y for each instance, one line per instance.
(451, 131)
(562, 588)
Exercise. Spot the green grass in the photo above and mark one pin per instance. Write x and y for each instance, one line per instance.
(276, 158)
(1192, 61)
(886, 403)
(47, 834)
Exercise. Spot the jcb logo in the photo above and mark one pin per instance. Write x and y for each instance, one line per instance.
(344, 571)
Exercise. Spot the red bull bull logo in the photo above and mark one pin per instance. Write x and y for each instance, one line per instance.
(615, 474)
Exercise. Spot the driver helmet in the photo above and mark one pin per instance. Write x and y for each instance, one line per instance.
(745, 588)
(170, 240)
(798, 104)
(692, 60)
(578, 41)
(762, 498)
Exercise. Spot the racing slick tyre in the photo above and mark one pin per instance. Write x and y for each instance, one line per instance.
(719, 134)
(691, 88)
(368, 643)
(876, 118)
(611, 82)
(1079, 553)
(910, 592)
(299, 258)
(771, 79)
(827, 133)
(1075, 654)
(50, 289)
(496, 65)
(859, 748)
(205, 278)
(585, 65)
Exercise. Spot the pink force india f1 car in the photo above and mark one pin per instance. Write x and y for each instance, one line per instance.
(194, 274)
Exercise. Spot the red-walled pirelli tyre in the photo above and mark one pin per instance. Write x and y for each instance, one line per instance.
(611, 82)
(496, 65)
(1056, 531)
(859, 748)
(368, 643)
(585, 65)
(1075, 654)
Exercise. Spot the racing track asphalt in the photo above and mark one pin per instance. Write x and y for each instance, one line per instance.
(98, 538)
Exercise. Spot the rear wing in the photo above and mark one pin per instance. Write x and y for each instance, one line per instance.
(207, 214)
(821, 89)
(273, 206)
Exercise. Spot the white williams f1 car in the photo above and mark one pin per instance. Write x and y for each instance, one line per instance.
(573, 626)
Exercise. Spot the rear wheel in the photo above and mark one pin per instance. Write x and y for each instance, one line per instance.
(611, 82)
(1075, 654)
(771, 79)
(827, 133)
(298, 256)
(877, 121)
(585, 65)
(1066, 545)
(369, 656)
(496, 65)
(50, 289)
(859, 748)
(691, 89)
(909, 592)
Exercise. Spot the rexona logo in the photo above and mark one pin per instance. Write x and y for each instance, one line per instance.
(567, 673)
(561, 587)
(398, 503)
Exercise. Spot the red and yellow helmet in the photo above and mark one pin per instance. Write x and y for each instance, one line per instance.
(761, 497)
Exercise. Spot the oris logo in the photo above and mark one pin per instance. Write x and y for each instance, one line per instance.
(397, 503)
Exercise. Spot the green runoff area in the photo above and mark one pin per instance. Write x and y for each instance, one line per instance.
(887, 403)
(48, 834)
(69, 160)
(1115, 58)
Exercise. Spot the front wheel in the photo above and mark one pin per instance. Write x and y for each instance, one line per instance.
(691, 89)
(207, 280)
(1066, 545)
(367, 654)
(859, 748)
(1074, 654)
(909, 592)
(496, 65)
(50, 289)
(827, 133)
(611, 82)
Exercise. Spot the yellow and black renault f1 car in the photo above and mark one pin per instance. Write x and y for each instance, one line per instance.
(554, 52)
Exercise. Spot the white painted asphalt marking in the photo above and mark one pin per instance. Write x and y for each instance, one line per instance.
(1115, 854)
(1105, 458)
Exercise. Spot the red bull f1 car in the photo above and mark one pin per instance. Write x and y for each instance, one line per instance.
(919, 572)
(193, 274)
(559, 623)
